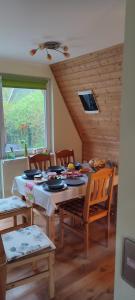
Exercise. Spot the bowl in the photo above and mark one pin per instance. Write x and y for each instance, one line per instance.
(31, 173)
(78, 166)
(57, 169)
(55, 183)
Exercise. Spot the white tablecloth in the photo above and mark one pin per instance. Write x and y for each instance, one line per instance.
(47, 200)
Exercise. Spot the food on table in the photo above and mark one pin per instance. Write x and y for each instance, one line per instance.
(97, 163)
(85, 170)
(71, 166)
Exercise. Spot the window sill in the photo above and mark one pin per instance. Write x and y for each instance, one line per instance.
(13, 159)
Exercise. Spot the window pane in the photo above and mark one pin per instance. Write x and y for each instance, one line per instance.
(24, 116)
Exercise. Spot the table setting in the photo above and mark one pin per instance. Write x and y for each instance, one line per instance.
(49, 188)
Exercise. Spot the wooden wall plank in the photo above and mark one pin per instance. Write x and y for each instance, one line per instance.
(101, 72)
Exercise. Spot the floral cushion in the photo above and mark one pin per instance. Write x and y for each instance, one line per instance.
(11, 203)
(25, 241)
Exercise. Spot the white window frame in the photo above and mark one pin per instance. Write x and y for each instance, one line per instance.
(48, 125)
(89, 92)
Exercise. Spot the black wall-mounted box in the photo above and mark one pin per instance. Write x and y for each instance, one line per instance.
(128, 262)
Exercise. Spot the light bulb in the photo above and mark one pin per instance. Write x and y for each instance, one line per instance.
(33, 51)
(65, 48)
(41, 46)
(66, 54)
(49, 57)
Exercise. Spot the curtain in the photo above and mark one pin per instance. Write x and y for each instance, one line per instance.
(24, 82)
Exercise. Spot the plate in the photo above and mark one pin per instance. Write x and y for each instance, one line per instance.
(46, 188)
(74, 182)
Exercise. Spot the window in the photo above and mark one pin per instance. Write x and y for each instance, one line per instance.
(24, 111)
(24, 118)
(88, 102)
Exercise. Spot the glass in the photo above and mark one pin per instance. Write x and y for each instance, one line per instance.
(24, 117)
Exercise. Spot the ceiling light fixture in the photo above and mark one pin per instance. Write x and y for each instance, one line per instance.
(51, 45)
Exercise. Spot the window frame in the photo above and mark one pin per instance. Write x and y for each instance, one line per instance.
(88, 92)
(47, 127)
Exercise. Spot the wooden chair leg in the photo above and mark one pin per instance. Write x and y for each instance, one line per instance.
(51, 276)
(29, 216)
(108, 231)
(61, 228)
(15, 221)
(27, 219)
(32, 216)
(3, 278)
(86, 239)
(51, 227)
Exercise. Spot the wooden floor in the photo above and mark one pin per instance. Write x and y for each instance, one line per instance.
(75, 277)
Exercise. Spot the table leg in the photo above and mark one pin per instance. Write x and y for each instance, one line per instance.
(51, 227)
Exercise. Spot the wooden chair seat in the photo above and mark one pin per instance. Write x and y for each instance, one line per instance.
(22, 247)
(76, 207)
(11, 203)
(12, 207)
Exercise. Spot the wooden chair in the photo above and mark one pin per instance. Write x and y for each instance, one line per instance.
(64, 157)
(39, 161)
(13, 207)
(21, 248)
(95, 206)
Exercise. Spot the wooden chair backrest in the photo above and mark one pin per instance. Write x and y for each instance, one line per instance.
(39, 161)
(64, 157)
(99, 190)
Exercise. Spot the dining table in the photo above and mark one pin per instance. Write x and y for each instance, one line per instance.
(35, 193)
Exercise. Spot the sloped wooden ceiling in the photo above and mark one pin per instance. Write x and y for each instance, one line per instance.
(100, 72)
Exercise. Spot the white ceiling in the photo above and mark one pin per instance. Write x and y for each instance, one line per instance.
(84, 25)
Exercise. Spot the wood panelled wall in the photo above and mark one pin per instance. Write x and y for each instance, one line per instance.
(100, 72)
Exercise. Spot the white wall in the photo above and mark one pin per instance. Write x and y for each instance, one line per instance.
(12, 168)
(65, 132)
(126, 197)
